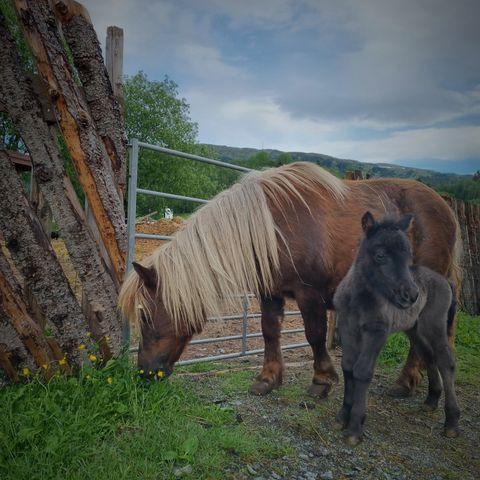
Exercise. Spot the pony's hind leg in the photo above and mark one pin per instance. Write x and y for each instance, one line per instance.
(314, 316)
(271, 374)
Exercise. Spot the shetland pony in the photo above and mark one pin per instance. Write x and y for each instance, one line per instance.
(290, 231)
(382, 294)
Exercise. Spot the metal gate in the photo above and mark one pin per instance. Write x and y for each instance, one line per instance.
(133, 191)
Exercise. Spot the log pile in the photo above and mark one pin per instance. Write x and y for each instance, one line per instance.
(468, 216)
(42, 324)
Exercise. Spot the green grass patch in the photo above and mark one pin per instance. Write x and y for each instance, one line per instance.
(110, 424)
(467, 349)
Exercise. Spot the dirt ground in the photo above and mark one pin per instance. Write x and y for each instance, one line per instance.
(401, 441)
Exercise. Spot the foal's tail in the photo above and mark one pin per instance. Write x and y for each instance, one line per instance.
(451, 314)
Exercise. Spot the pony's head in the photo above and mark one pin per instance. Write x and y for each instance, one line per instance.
(161, 342)
(385, 257)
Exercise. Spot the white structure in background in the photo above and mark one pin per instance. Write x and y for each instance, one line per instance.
(168, 214)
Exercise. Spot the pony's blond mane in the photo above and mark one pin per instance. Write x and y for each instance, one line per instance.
(228, 247)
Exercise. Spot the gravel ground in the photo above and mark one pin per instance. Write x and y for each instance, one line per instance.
(401, 442)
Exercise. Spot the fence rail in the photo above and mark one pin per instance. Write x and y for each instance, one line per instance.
(133, 190)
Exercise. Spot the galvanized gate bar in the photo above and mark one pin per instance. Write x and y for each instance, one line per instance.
(171, 195)
(190, 156)
(227, 356)
(133, 190)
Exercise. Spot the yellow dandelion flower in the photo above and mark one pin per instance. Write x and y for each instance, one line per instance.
(45, 366)
(141, 371)
(26, 371)
(82, 346)
(109, 380)
(160, 374)
(88, 334)
(62, 361)
(150, 372)
(108, 338)
(92, 358)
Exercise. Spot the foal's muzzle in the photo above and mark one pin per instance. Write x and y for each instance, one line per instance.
(406, 296)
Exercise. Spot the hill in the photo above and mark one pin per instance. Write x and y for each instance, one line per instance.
(338, 165)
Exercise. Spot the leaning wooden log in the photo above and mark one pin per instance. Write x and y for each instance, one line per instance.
(12, 351)
(15, 314)
(34, 257)
(24, 110)
(104, 107)
(86, 148)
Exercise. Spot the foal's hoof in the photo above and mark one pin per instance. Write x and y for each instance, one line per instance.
(451, 432)
(319, 390)
(337, 425)
(262, 387)
(400, 391)
(352, 440)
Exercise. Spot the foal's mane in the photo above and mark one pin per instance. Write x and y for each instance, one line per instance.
(228, 247)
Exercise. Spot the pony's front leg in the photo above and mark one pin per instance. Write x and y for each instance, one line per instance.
(314, 314)
(271, 374)
(373, 340)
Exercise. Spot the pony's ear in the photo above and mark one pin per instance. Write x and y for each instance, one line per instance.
(367, 222)
(405, 222)
(147, 274)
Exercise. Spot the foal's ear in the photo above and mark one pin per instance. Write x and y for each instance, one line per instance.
(405, 222)
(147, 274)
(367, 222)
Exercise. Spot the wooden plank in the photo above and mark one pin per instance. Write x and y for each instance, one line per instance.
(114, 61)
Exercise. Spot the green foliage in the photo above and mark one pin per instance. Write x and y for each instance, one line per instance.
(155, 114)
(467, 348)
(467, 190)
(109, 424)
(264, 159)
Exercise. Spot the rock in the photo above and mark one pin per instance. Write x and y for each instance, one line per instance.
(327, 475)
(251, 470)
(275, 476)
(303, 456)
(181, 471)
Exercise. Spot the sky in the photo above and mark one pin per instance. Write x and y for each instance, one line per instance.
(394, 81)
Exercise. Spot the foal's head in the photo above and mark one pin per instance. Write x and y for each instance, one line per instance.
(384, 258)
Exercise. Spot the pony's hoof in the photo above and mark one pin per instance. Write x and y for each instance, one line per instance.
(400, 391)
(428, 407)
(261, 387)
(352, 440)
(319, 390)
(451, 432)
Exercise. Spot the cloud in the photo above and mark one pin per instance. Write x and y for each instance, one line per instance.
(372, 80)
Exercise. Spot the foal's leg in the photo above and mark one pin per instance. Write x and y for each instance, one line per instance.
(372, 343)
(446, 365)
(271, 375)
(314, 314)
(350, 350)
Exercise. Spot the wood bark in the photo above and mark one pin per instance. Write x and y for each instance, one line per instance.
(25, 112)
(86, 148)
(104, 106)
(34, 257)
(14, 314)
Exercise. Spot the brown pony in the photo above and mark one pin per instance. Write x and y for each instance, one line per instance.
(290, 231)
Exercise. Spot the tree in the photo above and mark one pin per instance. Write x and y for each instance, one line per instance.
(155, 114)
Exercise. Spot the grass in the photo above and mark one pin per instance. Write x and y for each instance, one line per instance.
(110, 424)
(467, 349)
